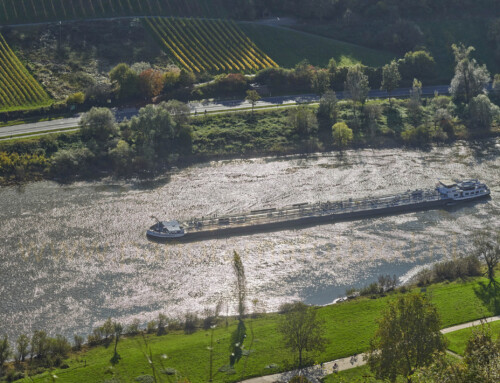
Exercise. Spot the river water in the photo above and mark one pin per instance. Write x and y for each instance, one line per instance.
(73, 255)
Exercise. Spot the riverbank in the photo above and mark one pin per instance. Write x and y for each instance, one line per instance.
(67, 156)
(349, 327)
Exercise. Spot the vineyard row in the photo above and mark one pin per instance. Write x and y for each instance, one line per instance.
(200, 45)
(23, 11)
(17, 85)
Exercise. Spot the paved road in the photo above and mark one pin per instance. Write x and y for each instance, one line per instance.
(209, 107)
(315, 373)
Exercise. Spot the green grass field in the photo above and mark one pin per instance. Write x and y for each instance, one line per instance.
(458, 339)
(349, 327)
(289, 47)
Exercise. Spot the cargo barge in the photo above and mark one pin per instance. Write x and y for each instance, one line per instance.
(446, 192)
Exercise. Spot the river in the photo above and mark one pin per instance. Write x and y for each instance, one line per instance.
(73, 255)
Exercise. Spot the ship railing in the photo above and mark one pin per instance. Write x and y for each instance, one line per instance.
(307, 210)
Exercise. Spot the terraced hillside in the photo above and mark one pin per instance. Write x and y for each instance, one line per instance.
(18, 88)
(27, 11)
(200, 45)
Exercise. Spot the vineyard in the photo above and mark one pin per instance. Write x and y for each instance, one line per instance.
(18, 88)
(208, 45)
(24, 11)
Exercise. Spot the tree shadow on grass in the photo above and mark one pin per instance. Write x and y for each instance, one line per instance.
(489, 293)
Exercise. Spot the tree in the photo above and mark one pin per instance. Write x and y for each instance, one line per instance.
(321, 81)
(487, 249)
(78, 341)
(470, 78)
(151, 83)
(162, 324)
(390, 78)
(22, 347)
(418, 64)
(238, 336)
(179, 111)
(99, 126)
(252, 97)
(482, 112)
(4, 352)
(327, 109)
(414, 104)
(407, 337)
(39, 344)
(481, 363)
(342, 134)
(356, 86)
(154, 131)
(302, 330)
(303, 120)
(372, 113)
(241, 291)
(125, 80)
(482, 356)
(117, 331)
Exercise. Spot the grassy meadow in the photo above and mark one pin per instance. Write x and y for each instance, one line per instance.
(349, 327)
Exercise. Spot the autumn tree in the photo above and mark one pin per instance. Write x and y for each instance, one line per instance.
(302, 330)
(470, 78)
(407, 337)
(390, 78)
(151, 83)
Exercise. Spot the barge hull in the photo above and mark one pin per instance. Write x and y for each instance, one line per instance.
(227, 231)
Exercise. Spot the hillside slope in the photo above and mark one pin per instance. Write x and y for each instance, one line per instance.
(288, 47)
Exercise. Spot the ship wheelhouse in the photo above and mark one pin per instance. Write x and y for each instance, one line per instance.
(463, 190)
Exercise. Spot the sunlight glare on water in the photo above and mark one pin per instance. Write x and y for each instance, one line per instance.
(74, 255)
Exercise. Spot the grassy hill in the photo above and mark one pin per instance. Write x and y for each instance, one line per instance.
(18, 88)
(438, 36)
(29, 11)
(349, 327)
(289, 47)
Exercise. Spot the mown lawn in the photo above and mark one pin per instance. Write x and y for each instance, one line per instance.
(458, 339)
(289, 47)
(349, 327)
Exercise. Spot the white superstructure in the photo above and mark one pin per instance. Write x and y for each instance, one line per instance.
(463, 190)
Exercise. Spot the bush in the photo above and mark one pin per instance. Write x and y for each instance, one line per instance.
(151, 327)
(133, 328)
(460, 268)
(190, 323)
